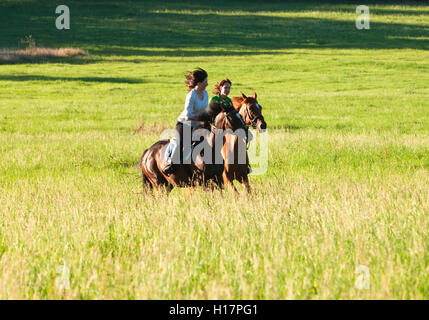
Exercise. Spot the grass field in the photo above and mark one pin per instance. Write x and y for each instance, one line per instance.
(347, 183)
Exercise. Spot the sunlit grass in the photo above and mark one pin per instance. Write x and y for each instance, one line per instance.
(347, 180)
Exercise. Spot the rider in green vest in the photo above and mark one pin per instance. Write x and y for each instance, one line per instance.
(221, 98)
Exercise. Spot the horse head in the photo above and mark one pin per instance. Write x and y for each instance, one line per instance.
(251, 111)
(231, 120)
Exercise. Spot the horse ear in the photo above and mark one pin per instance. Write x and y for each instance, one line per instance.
(243, 95)
(254, 95)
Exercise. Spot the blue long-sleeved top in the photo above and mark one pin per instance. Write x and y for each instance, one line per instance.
(194, 106)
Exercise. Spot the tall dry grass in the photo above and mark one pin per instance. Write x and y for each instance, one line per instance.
(9, 56)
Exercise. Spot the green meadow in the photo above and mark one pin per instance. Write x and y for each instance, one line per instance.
(347, 183)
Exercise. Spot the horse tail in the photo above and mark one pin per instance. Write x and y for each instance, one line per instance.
(146, 182)
(145, 179)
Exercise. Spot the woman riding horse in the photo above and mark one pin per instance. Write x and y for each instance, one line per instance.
(197, 110)
(174, 171)
(251, 112)
(221, 92)
(184, 175)
(195, 105)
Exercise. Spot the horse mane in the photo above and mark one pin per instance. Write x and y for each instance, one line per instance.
(214, 109)
(219, 121)
(209, 113)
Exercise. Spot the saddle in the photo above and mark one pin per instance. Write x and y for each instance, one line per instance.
(167, 159)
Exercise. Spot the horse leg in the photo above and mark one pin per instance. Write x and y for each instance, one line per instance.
(228, 179)
(165, 187)
(148, 184)
(244, 180)
(220, 183)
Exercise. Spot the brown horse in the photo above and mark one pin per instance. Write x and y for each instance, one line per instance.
(251, 112)
(189, 174)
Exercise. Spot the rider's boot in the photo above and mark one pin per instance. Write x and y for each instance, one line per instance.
(168, 169)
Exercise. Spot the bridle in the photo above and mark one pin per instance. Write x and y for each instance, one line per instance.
(253, 120)
(228, 121)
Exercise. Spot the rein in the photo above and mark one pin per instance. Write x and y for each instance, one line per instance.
(255, 119)
(252, 121)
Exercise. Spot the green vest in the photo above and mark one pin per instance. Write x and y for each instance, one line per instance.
(227, 102)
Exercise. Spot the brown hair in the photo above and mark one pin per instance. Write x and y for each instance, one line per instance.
(218, 86)
(195, 77)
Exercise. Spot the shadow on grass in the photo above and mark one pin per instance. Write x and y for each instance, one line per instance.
(84, 79)
(139, 28)
(145, 52)
(64, 60)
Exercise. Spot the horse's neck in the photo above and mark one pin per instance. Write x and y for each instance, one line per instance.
(219, 124)
(219, 121)
(231, 141)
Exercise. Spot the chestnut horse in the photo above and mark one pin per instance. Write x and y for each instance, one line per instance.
(189, 174)
(251, 112)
